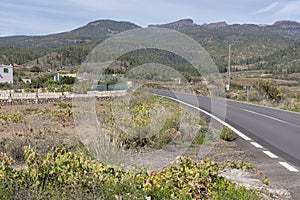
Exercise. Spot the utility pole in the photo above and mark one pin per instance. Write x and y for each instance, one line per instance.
(10, 99)
(37, 93)
(228, 69)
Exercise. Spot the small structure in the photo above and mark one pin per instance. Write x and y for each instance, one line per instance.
(6, 74)
(58, 76)
(26, 80)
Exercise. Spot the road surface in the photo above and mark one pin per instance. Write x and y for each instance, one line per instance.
(276, 130)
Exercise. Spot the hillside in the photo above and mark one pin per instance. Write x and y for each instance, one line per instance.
(250, 42)
(88, 35)
(286, 59)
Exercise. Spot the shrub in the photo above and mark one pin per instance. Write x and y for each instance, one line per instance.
(12, 118)
(269, 89)
(202, 135)
(35, 69)
(148, 125)
(227, 134)
(164, 138)
(65, 175)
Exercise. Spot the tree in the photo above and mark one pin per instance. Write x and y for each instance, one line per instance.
(35, 69)
(68, 80)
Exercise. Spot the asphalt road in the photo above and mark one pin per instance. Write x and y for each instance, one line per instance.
(276, 130)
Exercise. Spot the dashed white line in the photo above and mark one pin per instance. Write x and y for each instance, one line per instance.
(256, 145)
(289, 167)
(270, 154)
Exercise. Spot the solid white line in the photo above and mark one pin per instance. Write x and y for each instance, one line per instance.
(262, 106)
(216, 118)
(265, 116)
(256, 145)
(289, 167)
(270, 154)
(273, 118)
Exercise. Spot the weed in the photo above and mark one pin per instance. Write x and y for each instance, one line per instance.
(203, 135)
(266, 181)
(65, 175)
(227, 134)
(12, 118)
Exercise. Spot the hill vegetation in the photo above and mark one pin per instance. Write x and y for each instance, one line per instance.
(252, 44)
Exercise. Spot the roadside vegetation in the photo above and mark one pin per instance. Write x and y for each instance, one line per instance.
(268, 92)
(39, 161)
(65, 175)
(148, 121)
(227, 134)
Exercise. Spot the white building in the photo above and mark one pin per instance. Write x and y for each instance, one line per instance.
(58, 76)
(6, 73)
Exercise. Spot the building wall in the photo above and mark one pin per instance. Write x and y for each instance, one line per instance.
(6, 74)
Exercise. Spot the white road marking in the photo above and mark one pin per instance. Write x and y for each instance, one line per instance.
(270, 154)
(289, 167)
(216, 118)
(273, 118)
(256, 145)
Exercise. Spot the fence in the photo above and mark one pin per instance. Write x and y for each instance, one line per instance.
(110, 87)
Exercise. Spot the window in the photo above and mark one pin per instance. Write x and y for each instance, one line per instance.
(5, 70)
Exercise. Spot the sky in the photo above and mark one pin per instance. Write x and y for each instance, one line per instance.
(41, 17)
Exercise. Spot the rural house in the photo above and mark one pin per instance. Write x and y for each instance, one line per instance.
(6, 74)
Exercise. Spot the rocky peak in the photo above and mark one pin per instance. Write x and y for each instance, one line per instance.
(177, 24)
(216, 25)
(286, 23)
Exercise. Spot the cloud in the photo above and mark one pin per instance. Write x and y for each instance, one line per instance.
(290, 9)
(267, 8)
(41, 17)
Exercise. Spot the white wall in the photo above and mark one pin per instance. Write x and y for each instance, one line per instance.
(6, 74)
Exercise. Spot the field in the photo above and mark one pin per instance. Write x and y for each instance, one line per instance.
(57, 157)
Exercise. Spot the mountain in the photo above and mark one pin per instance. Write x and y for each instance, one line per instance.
(215, 25)
(286, 59)
(250, 42)
(88, 35)
(180, 24)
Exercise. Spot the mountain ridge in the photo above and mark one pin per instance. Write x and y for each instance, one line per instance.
(185, 22)
(249, 41)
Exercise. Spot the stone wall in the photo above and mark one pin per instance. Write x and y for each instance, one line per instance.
(9, 98)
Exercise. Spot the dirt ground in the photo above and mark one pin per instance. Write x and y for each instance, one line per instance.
(46, 125)
(250, 81)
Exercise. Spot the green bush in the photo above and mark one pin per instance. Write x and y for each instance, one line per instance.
(227, 134)
(65, 175)
(270, 89)
(202, 135)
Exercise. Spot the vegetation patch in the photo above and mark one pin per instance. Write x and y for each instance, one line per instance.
(269, 89)
(203, 134)
(65, 175)
(227, 134)
(14, 117)
(148, 121)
